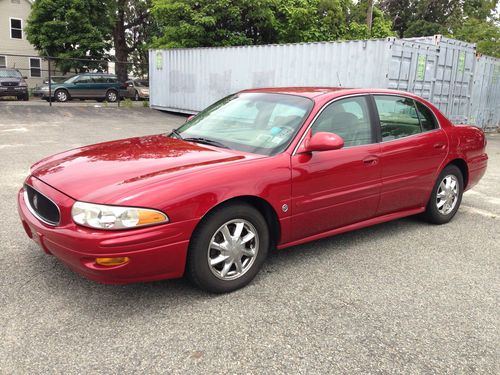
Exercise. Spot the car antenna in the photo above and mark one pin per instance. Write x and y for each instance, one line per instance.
(338, 77)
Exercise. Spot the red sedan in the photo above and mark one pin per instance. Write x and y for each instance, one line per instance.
(259, 169)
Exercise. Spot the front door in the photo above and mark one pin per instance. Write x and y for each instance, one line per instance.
(331, 189)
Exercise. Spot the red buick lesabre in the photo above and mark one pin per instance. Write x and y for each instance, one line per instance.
(259, 169)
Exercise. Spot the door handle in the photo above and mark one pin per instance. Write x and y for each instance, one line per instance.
(370, 160)
(439, 146)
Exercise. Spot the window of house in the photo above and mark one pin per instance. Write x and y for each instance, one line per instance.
(398, 117)
(35, 67)
(16, 28)
(348, 118)
(427, 118)
(3, 61)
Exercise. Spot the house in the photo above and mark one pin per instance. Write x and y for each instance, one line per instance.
(15, 50)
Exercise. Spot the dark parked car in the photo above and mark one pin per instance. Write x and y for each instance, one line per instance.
(98, 86)
(12, 83)
(138, 89)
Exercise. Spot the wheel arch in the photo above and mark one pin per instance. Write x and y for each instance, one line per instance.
(263, 206)
(462, 165)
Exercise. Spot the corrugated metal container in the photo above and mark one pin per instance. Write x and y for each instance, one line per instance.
(438, 69)
(485, 99)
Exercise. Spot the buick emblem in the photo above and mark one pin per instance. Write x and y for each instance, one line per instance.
(35, 201)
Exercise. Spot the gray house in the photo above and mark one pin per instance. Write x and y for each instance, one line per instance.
(15, 50)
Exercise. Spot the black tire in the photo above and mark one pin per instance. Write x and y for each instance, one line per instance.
(432, 214)
(23, 97)
(136, 96)
(100, 100)
(198, 269)
(61, 95)
(111, 96)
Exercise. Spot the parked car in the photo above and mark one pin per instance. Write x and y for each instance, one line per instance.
(38, 90)
(12, 83)
(259, 169)
(138, 89)
(98, 86)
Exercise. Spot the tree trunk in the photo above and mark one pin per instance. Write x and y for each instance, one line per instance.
(120, 43)
(369, 15)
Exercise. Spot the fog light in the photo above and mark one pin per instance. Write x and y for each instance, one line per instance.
(112, 261)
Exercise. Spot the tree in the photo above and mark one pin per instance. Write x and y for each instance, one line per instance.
(76, 29)
(131, 23)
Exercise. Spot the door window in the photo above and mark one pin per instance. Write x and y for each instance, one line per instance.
(348, 118)
(398, 117)
(427, 118)
(84, 80)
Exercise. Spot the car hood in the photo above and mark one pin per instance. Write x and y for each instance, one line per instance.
(111, 171)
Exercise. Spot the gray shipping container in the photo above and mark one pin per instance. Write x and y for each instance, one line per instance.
(438, 69)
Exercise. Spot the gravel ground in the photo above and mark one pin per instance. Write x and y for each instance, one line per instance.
(401, 297)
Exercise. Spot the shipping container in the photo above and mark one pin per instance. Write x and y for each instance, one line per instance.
(439, 69)
(485, 99)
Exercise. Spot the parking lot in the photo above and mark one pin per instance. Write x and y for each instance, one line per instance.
(401, 297)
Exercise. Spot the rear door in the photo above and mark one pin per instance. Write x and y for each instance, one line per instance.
(412, 149)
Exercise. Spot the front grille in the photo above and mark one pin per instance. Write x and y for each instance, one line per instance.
(41, 206)
(8, 84)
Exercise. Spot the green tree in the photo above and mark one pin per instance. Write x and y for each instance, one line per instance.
(486, 34)
(77, 29)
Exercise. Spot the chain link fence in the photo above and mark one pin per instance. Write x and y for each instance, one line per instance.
(64, 79)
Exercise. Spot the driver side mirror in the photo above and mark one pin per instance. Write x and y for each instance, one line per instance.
(189, 118)
(323, 141)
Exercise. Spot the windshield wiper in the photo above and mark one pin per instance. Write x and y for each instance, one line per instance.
(176, 133)
(207, 141)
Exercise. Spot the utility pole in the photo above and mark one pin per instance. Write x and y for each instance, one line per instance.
(369, 15)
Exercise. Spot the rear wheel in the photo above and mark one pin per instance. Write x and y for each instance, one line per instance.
(446, 196)
(228, 249)
(111, 96)
(136, 96)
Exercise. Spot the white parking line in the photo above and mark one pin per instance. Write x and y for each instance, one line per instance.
(478, 211)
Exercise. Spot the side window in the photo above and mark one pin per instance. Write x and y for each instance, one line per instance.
(348, 118)
(427, 118)
(84, 80)
(398, 117)
(3, 62)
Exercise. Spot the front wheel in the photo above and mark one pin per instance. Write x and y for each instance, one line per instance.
(446, 196)
(228, 249)
(61, 96)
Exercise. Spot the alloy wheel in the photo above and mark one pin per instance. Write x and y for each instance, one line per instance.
(233, 249)
(447, 194)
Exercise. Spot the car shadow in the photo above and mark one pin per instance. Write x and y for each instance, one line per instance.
(111, 300)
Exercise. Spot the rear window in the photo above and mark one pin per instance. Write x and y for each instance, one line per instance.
(398, 117)
(427, 118)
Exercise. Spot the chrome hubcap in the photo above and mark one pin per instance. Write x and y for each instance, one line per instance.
(111, 96)
(447, 194)
(61, 95)
(233, 249)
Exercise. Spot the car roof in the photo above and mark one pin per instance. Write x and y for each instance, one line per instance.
(315, 92)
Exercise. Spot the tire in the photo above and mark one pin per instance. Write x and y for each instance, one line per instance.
(438, 212)
(136, 96)
(23, 97)
(224, 276)
(61, 95)
(111, 96)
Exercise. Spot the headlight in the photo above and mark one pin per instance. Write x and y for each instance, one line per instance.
(23, 84)
(115, 217)
(144, 91)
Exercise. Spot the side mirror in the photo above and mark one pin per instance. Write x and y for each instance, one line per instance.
(130, 85)
(189, 118)
(323, 141)
(25, 77)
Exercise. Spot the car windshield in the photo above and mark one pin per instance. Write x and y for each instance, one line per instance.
(260, 123)
(10, 73)
(71, 79)
(142, 83)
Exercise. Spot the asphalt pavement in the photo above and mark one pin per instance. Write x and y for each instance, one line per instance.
(404, 297)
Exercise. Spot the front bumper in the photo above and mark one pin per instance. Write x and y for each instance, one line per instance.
(157, 252)
(13, 90)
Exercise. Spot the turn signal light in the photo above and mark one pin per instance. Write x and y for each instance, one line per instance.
(112, 261)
